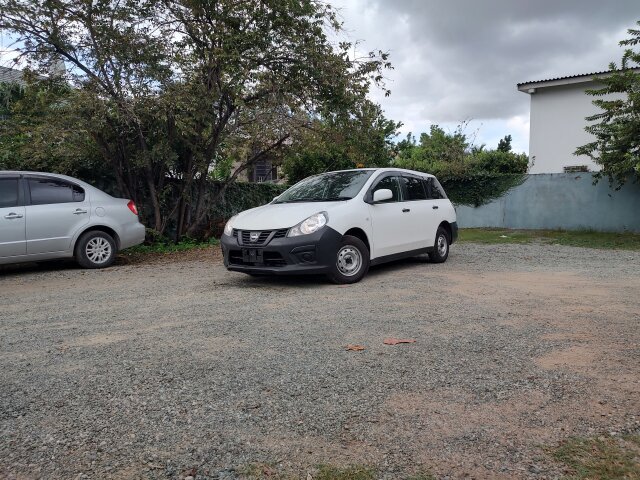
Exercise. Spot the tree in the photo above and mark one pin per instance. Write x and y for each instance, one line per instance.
(504, 145)
(471, 174)
(617, 134)
(41, 130)
(169, 90)
(361, 139)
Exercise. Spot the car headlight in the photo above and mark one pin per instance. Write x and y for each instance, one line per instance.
(228, 228)
(312, 224)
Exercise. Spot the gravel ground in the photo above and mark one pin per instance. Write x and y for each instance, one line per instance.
(175, 367)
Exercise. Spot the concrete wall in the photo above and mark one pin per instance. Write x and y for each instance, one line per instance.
(557, 127)
(560, 201)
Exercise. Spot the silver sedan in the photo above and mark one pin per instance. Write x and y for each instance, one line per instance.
(46, 216)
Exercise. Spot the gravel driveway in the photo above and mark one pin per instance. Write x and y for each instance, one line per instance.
(175, 367)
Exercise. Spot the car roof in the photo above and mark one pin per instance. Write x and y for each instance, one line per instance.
(384, 169)
(53, 175)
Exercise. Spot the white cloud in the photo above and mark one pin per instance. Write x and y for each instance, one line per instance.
(460, 60)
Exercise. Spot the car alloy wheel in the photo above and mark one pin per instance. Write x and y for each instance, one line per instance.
(98, 250)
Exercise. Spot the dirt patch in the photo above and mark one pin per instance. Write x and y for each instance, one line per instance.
(579, 356)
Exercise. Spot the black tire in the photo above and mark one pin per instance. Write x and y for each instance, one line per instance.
(351, 261)
(440, 247)
(95, 249)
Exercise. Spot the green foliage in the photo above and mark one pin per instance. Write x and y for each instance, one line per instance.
(617, 134)
(504, 145)
(313, 159)
(470, 175)
(168, 92)
(164, 245)
(436, 152)
(604, 458)
(363, 139)
(331, 472)
(44, 131)
(241, 196)
(477, 189)
(579, 238)
(9, 94)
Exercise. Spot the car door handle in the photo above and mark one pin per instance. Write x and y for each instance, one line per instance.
(79, 211)
(13, 215)
(435, 207)
(405, 210)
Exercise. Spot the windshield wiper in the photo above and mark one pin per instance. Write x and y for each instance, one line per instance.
(335, 199)
(300, 200)
(296, 200)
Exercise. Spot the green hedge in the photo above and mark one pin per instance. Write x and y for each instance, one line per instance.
(479, 189)
(240, 196)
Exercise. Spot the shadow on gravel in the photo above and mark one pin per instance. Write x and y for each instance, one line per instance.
(307, 281)
(37, 267)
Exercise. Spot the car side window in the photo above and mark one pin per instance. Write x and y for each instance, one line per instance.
(434, 189)
(414, 188)
(45, 191)
(9, 192)
(392, 184)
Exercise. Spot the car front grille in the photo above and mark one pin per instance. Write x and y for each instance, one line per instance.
(263, 236)
(270, 259)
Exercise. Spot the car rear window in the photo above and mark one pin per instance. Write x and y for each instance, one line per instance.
(45, 191)
(434, 189)
(8, 192)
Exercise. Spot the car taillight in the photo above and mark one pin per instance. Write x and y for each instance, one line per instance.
(132, 207)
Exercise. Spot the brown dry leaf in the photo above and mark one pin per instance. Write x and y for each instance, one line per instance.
(396, 341)
(355, 348)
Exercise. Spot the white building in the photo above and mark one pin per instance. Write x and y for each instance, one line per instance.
(558, 110)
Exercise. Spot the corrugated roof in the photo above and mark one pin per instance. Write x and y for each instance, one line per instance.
(567, 77)
(11, 75)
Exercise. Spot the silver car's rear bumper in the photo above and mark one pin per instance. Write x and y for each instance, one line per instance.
(132, 234)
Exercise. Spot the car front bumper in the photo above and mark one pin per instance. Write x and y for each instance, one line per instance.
(306, 254)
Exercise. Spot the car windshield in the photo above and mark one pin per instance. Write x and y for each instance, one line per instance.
(327, 187)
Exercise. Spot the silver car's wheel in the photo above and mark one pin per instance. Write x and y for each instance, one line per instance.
(96, 249)
(349, 260)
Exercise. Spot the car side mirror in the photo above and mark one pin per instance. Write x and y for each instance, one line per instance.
(382, 195)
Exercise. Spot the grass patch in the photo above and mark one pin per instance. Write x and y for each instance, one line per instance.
(354, 472)
(161, 247)
(602, 458)
(580, 238)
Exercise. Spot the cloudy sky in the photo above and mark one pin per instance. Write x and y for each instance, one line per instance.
(458, 60)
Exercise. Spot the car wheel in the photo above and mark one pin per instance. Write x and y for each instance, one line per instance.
(95, 250)
(441, 247)
(351, 261)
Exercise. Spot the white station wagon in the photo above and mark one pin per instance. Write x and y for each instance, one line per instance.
(340, 223)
